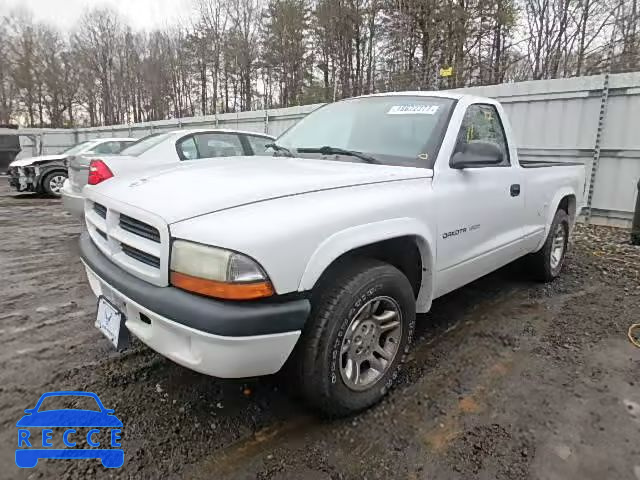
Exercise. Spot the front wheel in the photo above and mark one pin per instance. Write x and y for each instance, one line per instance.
(52, 183)
(547, 262)
(357, 337)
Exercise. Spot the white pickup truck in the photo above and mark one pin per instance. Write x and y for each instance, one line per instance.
(321, 254)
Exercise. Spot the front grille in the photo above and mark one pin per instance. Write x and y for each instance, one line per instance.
(141, 256)
(134, 245)
(139, 228)
(100, 210)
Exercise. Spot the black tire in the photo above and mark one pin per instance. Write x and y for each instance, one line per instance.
(540, 262)
(335, 302)
(48, 180)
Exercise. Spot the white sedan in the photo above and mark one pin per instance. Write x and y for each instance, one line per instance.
(156, 150)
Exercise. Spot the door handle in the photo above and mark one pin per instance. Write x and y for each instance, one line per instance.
(515, 190)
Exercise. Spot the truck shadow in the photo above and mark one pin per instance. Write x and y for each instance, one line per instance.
(232, 397)
(450, 308)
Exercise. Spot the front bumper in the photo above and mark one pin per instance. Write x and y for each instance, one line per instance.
(72, 202)
(22, 179)
(218, 338)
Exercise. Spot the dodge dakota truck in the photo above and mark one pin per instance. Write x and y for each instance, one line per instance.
(318, 257)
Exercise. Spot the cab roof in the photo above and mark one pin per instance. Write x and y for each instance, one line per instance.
(427, 93)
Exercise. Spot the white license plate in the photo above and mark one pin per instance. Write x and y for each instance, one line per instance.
(109, 320)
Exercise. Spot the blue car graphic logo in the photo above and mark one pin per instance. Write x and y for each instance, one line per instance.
(31, 447)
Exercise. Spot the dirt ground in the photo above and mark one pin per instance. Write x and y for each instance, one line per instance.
(508, 379)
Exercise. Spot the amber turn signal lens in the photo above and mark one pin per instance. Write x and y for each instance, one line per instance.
(227, 291)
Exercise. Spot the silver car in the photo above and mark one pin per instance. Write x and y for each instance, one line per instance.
(157, 150)
(47, 173)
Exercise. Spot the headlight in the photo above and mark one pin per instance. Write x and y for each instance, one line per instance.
(217, 272)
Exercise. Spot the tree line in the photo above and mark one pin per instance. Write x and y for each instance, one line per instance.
(236, 55)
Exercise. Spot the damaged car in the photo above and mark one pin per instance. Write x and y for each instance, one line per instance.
(47, 173)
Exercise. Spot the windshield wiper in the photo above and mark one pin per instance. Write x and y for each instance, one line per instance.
(280, 148)
(327, 150)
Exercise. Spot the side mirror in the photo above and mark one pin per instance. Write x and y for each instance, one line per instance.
(477, 153)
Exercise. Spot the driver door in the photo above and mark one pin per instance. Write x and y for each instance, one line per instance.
(480, 208)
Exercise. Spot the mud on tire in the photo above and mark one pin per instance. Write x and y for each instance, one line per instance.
(352, 287)
(540, 263)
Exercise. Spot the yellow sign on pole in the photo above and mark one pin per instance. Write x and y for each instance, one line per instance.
(446, 72)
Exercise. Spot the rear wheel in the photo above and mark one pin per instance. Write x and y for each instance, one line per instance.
(547, 262)
(356, 338)
(52, 183)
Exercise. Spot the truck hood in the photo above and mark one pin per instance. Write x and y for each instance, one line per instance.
(25, 162)
(211, 185)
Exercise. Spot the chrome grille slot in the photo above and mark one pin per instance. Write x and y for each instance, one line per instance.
(140, 256)
(139, 228)
(100, 210)
(137, 241)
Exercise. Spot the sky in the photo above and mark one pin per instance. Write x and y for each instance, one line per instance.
(140, 14)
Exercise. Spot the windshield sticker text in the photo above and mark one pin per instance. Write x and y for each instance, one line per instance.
(413, 110)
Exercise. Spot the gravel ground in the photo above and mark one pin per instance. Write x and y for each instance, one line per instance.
(508, 379)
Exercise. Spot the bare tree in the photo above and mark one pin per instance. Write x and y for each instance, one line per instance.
(243, 45)
(213, 24)
(98, 40)
(7, 86)
(243, 54)
(630, 39)
(286, 53)
(23, 54)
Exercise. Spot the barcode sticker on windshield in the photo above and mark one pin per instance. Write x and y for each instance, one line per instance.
(413, 110)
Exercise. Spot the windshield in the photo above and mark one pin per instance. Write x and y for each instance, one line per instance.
(79, 147)
(144, 144)
(395, 130)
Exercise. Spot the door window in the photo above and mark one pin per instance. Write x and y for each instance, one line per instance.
(218, 145)
(482, 123)
(187, 149)
(125, 143)
(107, 147)
(258, 144)
(144, 144)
